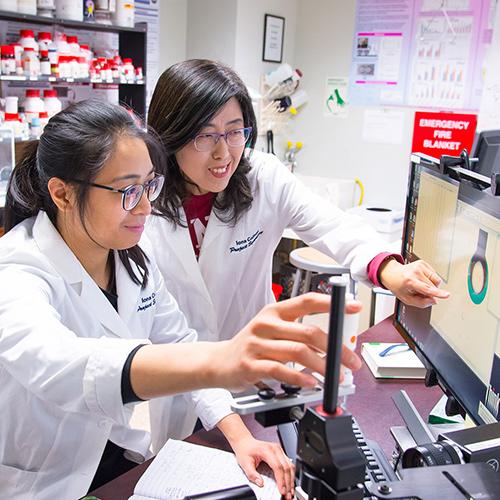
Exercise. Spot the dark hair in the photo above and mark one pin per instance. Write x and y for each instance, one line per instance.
(75, 144)
(186, 97)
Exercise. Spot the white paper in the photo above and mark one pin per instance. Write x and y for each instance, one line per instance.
(335, 100)
(182, 468)
(383, 126)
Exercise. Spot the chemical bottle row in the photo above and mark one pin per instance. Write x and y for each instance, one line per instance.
(35, 112)
(63, 57)
(116, 12)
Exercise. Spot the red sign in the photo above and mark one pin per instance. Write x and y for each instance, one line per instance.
(439, 134)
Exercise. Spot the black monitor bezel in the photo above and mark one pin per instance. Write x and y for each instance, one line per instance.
(467, 402)
(479, 140)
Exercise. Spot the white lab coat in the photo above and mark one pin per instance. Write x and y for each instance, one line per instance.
(231, 281)
(62, 350)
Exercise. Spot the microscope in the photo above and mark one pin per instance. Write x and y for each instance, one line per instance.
(329, 462)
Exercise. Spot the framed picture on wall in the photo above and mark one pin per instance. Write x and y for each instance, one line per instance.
(274, 32)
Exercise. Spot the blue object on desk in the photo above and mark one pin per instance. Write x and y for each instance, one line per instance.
(388, 350)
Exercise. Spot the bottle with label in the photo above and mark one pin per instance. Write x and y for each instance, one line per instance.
(8, 64)
(27, 39)
(35, 128)
(44, 63)
(31, 63)
(52, 104)
(124, 14)
(44, 119)
(44, 40)
(128, 70)
(33, 104)
(73, 45)
(11, 105)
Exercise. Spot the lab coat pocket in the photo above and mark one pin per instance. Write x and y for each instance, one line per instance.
(13, 479)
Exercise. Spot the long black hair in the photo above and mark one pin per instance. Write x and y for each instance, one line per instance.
(76, 143)
(186, 97)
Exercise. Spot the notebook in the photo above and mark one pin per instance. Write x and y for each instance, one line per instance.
(397, 361)
(182, 469)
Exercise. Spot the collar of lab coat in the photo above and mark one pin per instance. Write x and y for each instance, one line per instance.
(54, 248)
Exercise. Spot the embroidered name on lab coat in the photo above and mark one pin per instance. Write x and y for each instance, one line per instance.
(244, 244)
(147, 302)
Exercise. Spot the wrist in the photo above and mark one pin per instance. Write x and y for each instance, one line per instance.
(233, 428)
(387, 270)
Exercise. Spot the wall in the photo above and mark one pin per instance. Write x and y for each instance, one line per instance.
(173, 33)
(250, 34)
(248, 44)
(333, 146)
(211, 30)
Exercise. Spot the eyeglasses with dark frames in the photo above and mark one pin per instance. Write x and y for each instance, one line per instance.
(234, 138)
(131, 195)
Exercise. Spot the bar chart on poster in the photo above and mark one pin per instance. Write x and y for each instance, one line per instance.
(421, 53)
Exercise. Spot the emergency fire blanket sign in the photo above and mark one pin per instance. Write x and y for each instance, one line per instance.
(439, 134)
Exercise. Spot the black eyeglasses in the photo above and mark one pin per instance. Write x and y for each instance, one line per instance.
(131, 195)
(233, 138)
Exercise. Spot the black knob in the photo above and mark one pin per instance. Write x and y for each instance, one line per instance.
(266, 394)
(290, 389)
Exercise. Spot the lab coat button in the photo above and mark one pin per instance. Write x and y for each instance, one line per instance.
(102, 423)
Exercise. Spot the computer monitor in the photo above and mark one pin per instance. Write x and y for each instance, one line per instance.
(486, 149)
(455, 227)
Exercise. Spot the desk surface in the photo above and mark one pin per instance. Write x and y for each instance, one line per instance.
(371, 405)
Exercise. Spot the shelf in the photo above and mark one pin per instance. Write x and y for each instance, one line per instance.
(17, 17)
(53, 79)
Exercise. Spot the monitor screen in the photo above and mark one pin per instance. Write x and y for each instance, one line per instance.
(455, 227)
(487, 150)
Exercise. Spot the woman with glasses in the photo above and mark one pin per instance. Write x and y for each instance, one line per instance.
(225, 206)
(87, 327)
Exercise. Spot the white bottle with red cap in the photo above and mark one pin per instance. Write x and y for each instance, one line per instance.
(44, 40)
(44, 63)
(52, 104)
(73, 45)
(28, 40)
(8, 61)
(128, 70)
(33, 104)
(31, 63)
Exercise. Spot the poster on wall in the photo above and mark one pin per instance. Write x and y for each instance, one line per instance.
(421, 53)
(489, 112)
(335, 100)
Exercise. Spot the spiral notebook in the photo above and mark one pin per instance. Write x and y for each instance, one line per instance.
(182, 469)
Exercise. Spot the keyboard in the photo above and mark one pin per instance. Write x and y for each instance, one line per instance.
(378, 468)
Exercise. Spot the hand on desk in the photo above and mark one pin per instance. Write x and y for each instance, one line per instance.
(250, 452)
(416, 284)
(273, 338)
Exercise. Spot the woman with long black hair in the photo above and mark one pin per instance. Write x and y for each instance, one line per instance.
(87, 326)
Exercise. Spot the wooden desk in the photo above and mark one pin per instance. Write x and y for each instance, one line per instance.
(371, 405)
